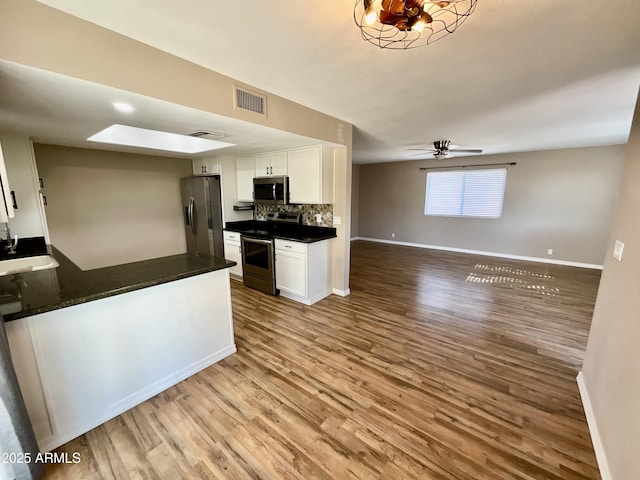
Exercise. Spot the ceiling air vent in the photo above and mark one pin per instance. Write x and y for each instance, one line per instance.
(249, 101)
(208, 134)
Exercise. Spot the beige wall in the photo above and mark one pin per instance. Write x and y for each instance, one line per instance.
(612, 363)
(107, 208)
(560, 199)
(341, 246)
(355, 199)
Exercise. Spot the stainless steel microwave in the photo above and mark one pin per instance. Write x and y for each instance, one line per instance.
(271, 190)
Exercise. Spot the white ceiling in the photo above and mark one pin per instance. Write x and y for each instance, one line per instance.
(517, 76)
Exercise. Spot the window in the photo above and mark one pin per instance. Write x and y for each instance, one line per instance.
(465, 193)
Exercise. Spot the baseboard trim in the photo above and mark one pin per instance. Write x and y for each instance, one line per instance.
(305, 300)
(137, 398)
(483, 253)
(603, 465)
(342, 293)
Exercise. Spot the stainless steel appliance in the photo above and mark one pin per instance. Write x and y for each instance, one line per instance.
(258, 251)
(271, 190)
(202, 209)
(258, 263)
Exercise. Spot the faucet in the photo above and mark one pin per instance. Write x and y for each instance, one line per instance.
(10, 243)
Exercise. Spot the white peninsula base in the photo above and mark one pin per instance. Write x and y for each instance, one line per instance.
(82, 365)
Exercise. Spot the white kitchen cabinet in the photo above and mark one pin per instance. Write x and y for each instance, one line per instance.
(206, 166)
(232, 251)
(291, 268)
(245, 171)
(21, 170)
(310, 173)
(302, 270)
(6, 205)
(271, 164)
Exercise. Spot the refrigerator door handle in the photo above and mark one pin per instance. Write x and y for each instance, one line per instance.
(192, 201)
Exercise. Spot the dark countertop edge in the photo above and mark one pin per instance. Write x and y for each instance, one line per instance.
(305, 239)
(108, 293)
(73, 270)
(302, 239)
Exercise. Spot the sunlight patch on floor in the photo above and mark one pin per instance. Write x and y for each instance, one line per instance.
(515, 278)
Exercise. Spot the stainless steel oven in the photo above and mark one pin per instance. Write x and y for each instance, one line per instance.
(258, 264)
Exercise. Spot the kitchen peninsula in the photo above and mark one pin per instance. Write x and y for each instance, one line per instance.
(89, 345)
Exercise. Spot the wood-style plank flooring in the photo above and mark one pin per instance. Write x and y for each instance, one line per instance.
(439, 366)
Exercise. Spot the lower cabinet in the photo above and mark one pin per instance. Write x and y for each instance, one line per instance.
(302, 270)
(232, 251)
(82, 365)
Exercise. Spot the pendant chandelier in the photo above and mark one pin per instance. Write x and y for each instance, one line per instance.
(404, 24)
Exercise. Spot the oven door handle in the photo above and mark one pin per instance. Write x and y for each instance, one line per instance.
(256, 240)
(274, 193)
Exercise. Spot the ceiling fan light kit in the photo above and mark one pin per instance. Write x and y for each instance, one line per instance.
(404, 24)
(442, 149)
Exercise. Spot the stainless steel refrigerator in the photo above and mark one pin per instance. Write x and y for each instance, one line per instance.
(202, 208)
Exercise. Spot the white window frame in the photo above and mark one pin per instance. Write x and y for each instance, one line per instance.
(461, 181)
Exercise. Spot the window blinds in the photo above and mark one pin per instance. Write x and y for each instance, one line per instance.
(470, 193)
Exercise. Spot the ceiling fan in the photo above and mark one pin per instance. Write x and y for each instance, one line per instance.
(442, 148)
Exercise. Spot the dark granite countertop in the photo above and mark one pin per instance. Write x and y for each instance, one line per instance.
(285, 231)
(30, 293)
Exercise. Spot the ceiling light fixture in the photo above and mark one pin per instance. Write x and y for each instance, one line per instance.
(404, 24)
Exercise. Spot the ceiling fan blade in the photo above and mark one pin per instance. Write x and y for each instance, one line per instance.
(427, 150)
(466, 150)
(422, 153)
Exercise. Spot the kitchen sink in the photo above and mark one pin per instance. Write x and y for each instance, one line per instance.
(27, 264)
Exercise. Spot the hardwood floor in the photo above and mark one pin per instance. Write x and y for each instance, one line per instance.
(438, 366)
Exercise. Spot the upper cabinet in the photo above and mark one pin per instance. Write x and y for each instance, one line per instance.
(245, 171)
(311, 175)
(206, 166)
(23, 192)
(271, 164)
(6, 205)
(310, 171)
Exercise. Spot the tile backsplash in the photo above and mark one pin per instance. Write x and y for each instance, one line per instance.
(308, 211)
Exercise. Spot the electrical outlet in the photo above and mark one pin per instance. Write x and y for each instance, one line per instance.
(337, 220)
(550, 251)
(617, 250)
(393, 235)
(319, 217)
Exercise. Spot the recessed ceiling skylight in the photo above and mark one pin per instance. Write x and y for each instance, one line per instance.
(143, 138)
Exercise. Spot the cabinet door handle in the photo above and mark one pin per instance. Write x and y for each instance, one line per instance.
(41, 182)
(13, 197)
(44, 200)
(287, 246)
(271, 172)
